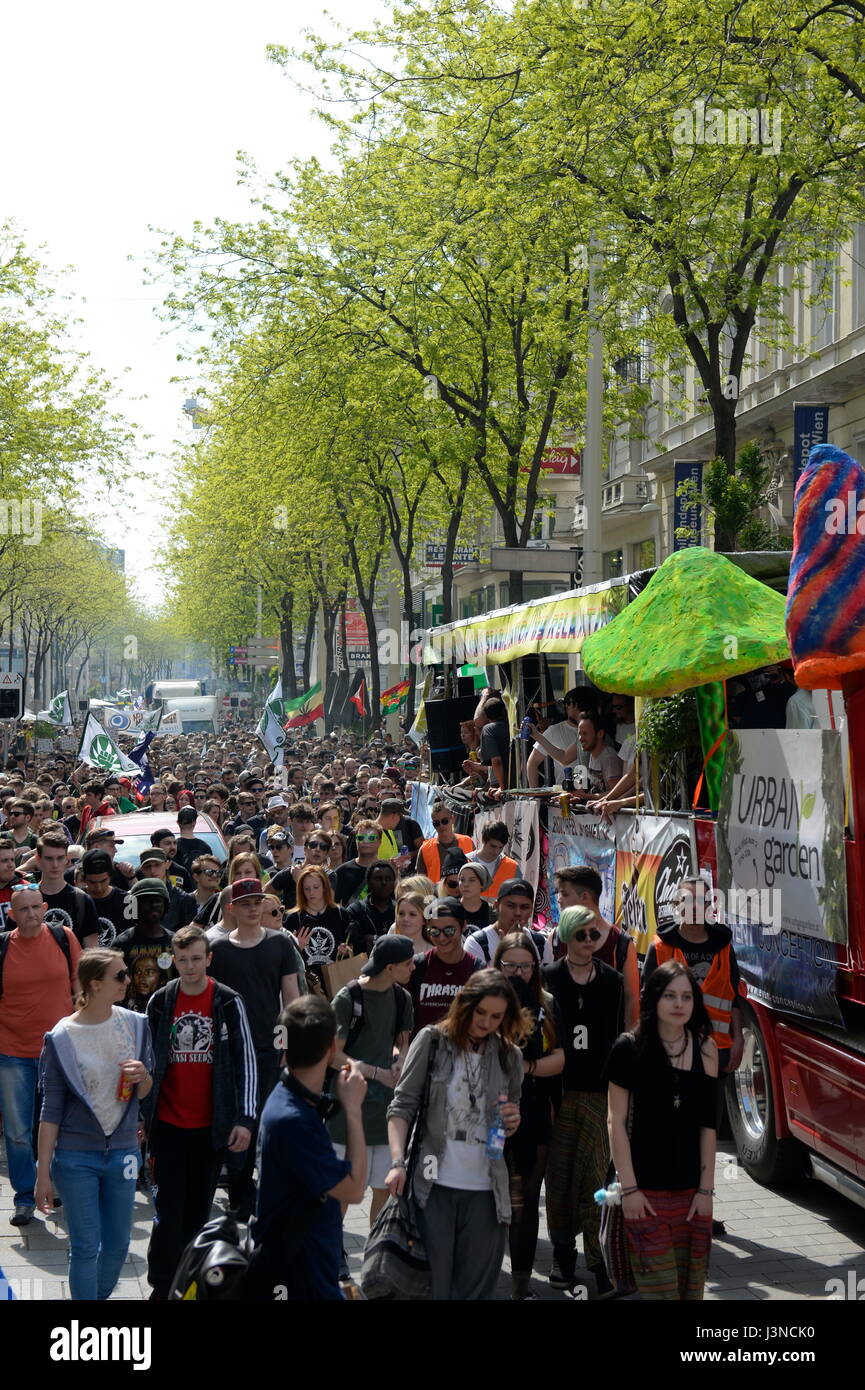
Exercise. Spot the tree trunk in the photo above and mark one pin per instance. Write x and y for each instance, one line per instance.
(309, 638)
(453, 531)
(286, 636)
(724, 420)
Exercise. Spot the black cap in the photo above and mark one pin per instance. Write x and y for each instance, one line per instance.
(96, 861)
(388, 950)
(520, 886)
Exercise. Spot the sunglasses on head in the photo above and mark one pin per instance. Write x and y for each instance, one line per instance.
(587, 934)
(434, 932)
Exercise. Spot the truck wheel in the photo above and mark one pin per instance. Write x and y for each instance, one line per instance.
(751, 1110)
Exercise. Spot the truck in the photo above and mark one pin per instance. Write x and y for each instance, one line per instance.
(199, 712)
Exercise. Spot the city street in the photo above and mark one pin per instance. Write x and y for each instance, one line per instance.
(779, 1246)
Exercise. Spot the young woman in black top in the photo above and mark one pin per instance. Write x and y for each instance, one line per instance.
(668, 1070)
(543, 1062)
(473, 878)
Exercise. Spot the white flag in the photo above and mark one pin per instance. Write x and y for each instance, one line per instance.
(270, 729)
(99, 750)
(59, 712)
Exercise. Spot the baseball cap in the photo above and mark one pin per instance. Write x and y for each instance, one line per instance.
(279, 840)
(519, 886)
(150, 888)
(445, 907)
(388, 950)
(148, 856)
(96, 861)
(101, 833)
(246, 888)
(275, 801)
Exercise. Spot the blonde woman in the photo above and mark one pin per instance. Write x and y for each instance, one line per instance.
(96, 1067)
(410, 918)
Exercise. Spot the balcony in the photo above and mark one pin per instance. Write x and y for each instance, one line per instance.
(627, 491)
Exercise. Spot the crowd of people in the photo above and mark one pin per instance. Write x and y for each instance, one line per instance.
(284, 1020)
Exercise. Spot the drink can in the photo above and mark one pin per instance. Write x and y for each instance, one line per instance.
(124, 1086)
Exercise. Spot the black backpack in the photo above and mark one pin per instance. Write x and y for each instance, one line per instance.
(59, 934)
(357, 1015)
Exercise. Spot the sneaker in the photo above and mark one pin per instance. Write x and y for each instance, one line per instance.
(22, 1216)
(560, 1277)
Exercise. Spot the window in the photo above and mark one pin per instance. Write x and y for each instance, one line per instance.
(858, 287)
(823, 312)
(614, 564)
(644, 554)
(544, 519)
(542, 588)
(504, 600)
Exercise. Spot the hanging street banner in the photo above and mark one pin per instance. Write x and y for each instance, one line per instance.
(99, 750)
(584, 842)
(810, 427)
(781, 864)
(270, 729)
(139, 721)
(653, 855)
(557, 624)
(687, 513)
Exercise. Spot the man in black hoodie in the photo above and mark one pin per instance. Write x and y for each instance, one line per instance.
(203, 1100)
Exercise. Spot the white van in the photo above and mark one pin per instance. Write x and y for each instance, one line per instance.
(199, 714)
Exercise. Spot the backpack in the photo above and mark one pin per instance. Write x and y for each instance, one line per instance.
(357, 1015)
(59, 934)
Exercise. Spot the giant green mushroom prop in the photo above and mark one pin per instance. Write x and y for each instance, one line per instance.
(700, 618)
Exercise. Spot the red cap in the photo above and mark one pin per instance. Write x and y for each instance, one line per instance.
(246, 888)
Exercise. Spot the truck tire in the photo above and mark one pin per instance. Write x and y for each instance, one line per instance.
(767, 1159)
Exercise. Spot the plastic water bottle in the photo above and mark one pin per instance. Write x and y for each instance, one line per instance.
(525, 729)
(496, 1136)
(609, 1196)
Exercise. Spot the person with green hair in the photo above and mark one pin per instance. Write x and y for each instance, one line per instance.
(590, 997)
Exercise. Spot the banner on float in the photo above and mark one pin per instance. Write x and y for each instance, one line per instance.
(810, 427)
(584, 842)
(653, 855)
(422, 798)
(781, 864)
(521, 818)
(559, 624)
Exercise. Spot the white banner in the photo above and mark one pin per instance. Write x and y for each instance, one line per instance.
(780, 830)
(521, 818)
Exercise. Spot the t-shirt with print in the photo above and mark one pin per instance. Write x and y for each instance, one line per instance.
(37, 991)
(110, 917)
(464, 1164)
(186, 1093)
(74, 909)
(373, 1045)
(434, 986)
(605, 769)
(328, 931)
(256, 972)
(100, 1048)
(150, 964)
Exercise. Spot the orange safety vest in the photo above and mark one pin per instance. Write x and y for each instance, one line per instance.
(717, 989)
(431, 855)
(508, 868)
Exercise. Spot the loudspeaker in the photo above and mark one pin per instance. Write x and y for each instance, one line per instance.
(83, 706)
(234, 701)
(465, 687)
(447, 751)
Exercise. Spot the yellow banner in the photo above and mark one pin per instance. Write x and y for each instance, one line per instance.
(558, 624)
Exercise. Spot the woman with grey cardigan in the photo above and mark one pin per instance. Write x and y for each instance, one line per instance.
(460, 1192)
(95, 1068)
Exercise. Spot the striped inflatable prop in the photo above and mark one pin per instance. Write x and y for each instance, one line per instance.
(826, 594)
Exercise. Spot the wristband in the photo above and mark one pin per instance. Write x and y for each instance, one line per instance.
(397, 1163)
(629, 1191)
(374, 1073)
(706, 1191)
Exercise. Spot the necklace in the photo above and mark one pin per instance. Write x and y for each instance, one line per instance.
(673, 1058)
(473, 1077)
(581, 984)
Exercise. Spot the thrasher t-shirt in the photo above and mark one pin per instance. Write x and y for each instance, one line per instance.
(434, 986)
(186, 1094)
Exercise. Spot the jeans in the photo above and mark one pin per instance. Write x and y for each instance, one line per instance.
(19, 1077)
(98, 1191)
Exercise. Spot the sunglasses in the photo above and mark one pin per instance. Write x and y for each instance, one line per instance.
(366, 839)
(121, 975)
(438, 823)
(587, 934)
(274, 912)
(317, 844)
(434, 932)
(207, 873)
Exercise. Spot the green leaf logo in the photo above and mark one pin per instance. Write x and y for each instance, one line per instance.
(808, 805)
(102, 753)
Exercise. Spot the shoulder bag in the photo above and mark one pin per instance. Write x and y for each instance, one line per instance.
(395, 1263)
